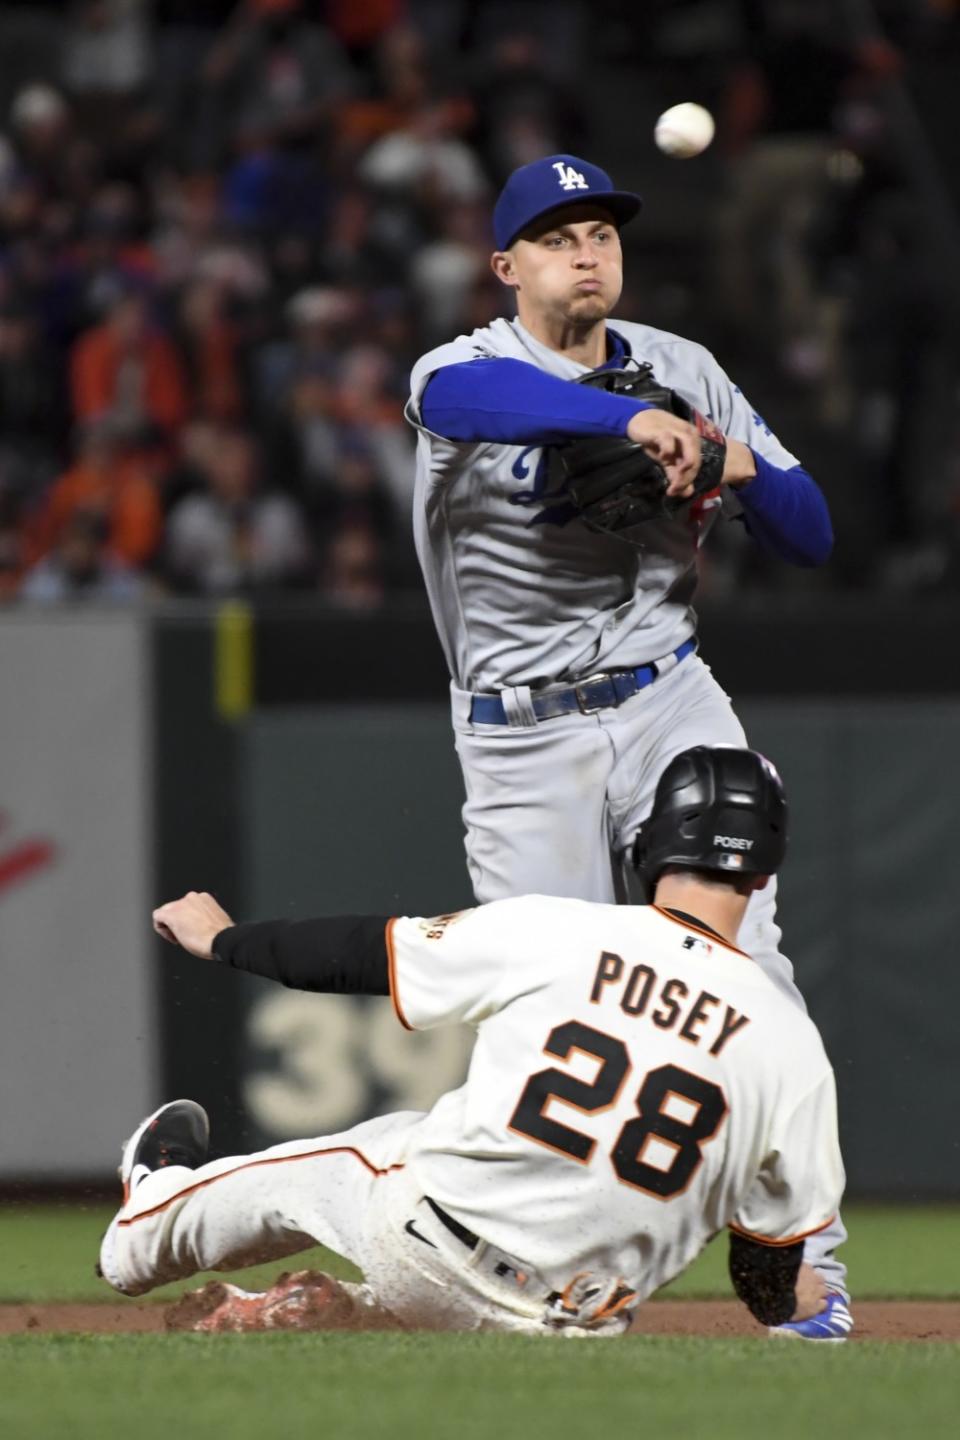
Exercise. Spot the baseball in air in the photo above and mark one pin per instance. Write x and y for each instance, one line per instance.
(684, 130)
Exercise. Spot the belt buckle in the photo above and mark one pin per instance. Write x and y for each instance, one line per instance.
(584, 705)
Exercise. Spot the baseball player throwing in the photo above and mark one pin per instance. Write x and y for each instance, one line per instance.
(561, 588)
(637, 1084)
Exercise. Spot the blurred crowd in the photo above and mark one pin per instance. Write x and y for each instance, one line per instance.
(838, 253)
(228, 228)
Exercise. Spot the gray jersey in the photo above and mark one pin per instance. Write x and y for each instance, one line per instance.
(523, 595)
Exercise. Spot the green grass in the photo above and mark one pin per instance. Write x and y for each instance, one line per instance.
(390, 1387)
(468, 1388)
(48, 1252)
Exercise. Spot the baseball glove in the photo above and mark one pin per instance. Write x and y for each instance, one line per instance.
(614, 483)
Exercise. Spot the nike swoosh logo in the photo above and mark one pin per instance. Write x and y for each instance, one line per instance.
(417, 1236)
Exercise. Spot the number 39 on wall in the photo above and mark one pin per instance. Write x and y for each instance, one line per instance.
(329, 1063)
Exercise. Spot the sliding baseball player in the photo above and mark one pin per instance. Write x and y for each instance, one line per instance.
(637, 1084)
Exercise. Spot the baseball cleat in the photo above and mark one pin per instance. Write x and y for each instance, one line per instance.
(299, 1300)
(218, 1306)
(176, 1134)
(833, 1324)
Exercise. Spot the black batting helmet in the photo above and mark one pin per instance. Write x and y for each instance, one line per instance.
(717, 807)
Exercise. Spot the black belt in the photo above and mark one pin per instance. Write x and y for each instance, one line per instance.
(465, 1236)
(595, 692)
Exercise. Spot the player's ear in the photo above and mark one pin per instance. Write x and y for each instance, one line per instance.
(502, 265)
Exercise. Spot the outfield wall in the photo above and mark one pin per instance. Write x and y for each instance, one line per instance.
(78, 1006)
(345, 794)
(300, 763)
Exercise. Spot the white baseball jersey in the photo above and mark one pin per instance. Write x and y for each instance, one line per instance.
(636, 1085)
(522, 594)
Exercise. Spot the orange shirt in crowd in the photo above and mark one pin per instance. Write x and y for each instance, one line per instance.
(121, 491)
(97, 368)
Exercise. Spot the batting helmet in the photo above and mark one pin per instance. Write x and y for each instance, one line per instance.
(717, 807)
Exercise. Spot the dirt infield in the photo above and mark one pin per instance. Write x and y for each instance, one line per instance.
(875, 1319)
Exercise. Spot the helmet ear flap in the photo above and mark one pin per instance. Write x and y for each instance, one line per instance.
(638, 859)
(688, 827)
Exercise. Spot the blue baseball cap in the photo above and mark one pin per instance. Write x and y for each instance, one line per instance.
(549, 184)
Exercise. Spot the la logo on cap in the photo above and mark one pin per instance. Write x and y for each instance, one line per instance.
(532, 190)
(569, 178)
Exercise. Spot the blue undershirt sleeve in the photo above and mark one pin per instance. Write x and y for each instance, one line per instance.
(513, 403)
(785, 511)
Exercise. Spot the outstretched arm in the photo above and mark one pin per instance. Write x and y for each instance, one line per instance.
(439, 970)
(337, 954)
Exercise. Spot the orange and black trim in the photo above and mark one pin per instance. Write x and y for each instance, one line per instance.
(375, 1170)
(777, 1244)
(621, 1298)
(703, 930)
(392, 974)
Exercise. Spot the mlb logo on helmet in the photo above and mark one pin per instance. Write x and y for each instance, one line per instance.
(556, 180)
(726, 861)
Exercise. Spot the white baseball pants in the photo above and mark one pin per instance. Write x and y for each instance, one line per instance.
(352, 1192)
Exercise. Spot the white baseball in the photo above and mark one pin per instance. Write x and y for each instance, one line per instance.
(684, 130)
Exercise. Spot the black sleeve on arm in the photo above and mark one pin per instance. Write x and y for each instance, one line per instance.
(336, 955)
(765, 1277)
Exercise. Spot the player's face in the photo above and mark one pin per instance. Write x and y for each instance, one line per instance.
(571, 268)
